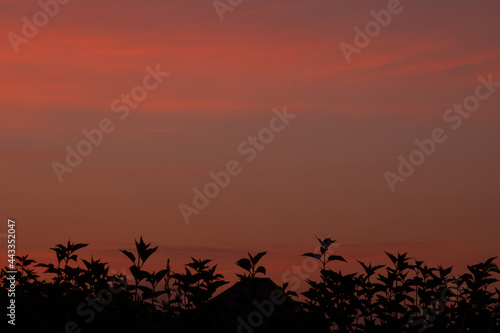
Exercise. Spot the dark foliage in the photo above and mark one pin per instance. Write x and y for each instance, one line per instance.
(407, 296)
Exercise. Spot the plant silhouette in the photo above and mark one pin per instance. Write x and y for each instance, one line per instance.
(250, 265)
(405, 296)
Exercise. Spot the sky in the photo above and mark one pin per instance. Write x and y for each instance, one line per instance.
(351, 115)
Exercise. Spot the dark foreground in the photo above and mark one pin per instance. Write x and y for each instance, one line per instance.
(77, 295)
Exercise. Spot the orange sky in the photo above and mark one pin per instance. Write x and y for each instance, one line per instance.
(323, 175)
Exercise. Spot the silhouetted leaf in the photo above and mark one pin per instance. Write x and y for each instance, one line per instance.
(392, 257)
(245, 264)
(260, 269)
(147, 253)
(336, 258)
(75, 247)
(130, 255)
(312, 255)
(258, 257)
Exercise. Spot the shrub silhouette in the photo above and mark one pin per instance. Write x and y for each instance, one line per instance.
(406, 296)
(250, 265)
(198, 283)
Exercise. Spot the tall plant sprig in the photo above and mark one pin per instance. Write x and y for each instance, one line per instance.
(330, 298)
(322, 256)
(64, 254)
(199, 282)
(144, 251)
(250, 265)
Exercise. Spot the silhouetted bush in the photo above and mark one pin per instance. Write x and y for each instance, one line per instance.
(81, 295)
